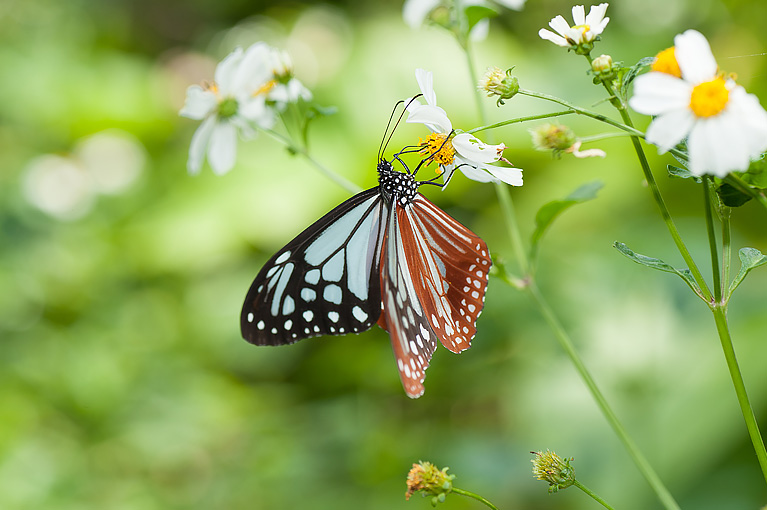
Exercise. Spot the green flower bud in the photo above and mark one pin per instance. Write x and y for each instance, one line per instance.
(497, 83)
(550, 467)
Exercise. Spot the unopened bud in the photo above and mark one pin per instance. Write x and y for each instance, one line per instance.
(552, 468)
(496, 82)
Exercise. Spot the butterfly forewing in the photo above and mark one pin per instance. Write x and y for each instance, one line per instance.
(452, 264)
(325, 281)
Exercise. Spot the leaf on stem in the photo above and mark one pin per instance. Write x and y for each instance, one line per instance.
(732, 196)
(629, 73)
(658, 264)
(681, 173)
(549, 212)
(749, 259)
(476, 12)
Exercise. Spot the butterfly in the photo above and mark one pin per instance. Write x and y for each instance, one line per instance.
(386, 255)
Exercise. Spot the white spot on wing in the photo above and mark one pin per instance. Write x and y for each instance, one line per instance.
(333, 316)
(282, 258)
(308, 315)
(359, 314)
(308, 295)
(332, 294)
(250, 316)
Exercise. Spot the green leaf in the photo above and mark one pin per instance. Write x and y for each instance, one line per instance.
(659, 265)
(629, 73)
(681, 173)
(749, 259)
(756, 175)
(732, 196)
(549, 212)
(476, 13)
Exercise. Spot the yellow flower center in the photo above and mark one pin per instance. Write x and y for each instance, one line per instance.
(265, 88)
(439, 148)
(665, 62)
(210, 86)
(709, 98)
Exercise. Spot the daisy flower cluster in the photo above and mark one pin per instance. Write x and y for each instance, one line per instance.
(251, 86)
(581, 36)
(724, 126)
(451, 151)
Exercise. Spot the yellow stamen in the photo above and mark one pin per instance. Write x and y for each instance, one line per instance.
(439, 148)
(210, 86)
(709, 98)
(582, 28)
(265, 88)
(665, 62)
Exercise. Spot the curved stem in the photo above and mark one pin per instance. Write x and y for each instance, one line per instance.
(720, 317)
(592, 494)
(708, 213)
(567, 345)
(664, 212)
(509, 214)
(521, 119)
(474, 496)
(293, 148)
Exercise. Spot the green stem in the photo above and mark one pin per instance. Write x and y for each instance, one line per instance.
(507, 207)
(567, 345)
(521, 119)
(709, 214)
(726, 251)
(720, 317)
(664, 212)
(592, 494)
(475, 496)
(294, 149)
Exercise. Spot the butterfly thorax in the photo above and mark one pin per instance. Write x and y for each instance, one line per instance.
(396, 186)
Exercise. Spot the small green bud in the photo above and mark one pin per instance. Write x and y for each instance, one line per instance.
(554, 137)
(495, 82)
(550, 467)
(430, 480)
(604, 69)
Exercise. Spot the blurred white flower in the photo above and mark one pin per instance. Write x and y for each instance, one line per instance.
(583, 33)
(462, 151)
(65, 187)
(416, 12)
(250, 87)
(59, 186)
(725, 127)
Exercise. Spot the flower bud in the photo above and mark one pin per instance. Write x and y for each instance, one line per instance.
(497, 83)
(426, 477)
(550, 467)
(604, 69)
(554, 137)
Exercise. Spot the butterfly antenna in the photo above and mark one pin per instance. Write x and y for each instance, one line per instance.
(385, 142)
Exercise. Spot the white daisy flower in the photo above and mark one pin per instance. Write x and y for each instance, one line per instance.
(250, 86)
(583, 33)
(725, 127)
(462, 151)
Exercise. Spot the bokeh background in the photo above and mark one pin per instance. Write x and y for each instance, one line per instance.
(124, 383)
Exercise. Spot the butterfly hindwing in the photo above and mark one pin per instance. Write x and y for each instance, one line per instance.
(412, 337)
(325, 281)
(454, 264)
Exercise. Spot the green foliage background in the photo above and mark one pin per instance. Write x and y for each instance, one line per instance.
(124, 383)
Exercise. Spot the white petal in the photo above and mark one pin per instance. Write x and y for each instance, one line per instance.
(714, 149)
(512, 4)
(579, 15)
(198, 145)
(693, 54)
(199, 103)
(551, 36)
(669, 128)
(225, 71)
(596, 15)
(474, 149)
(222, 149)
(475, 174)
(414, 12)
(559, 24)
(253, 70)
(656, 93)
(511, 176)
(753, 117)
(433, 117)
(426, 83)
